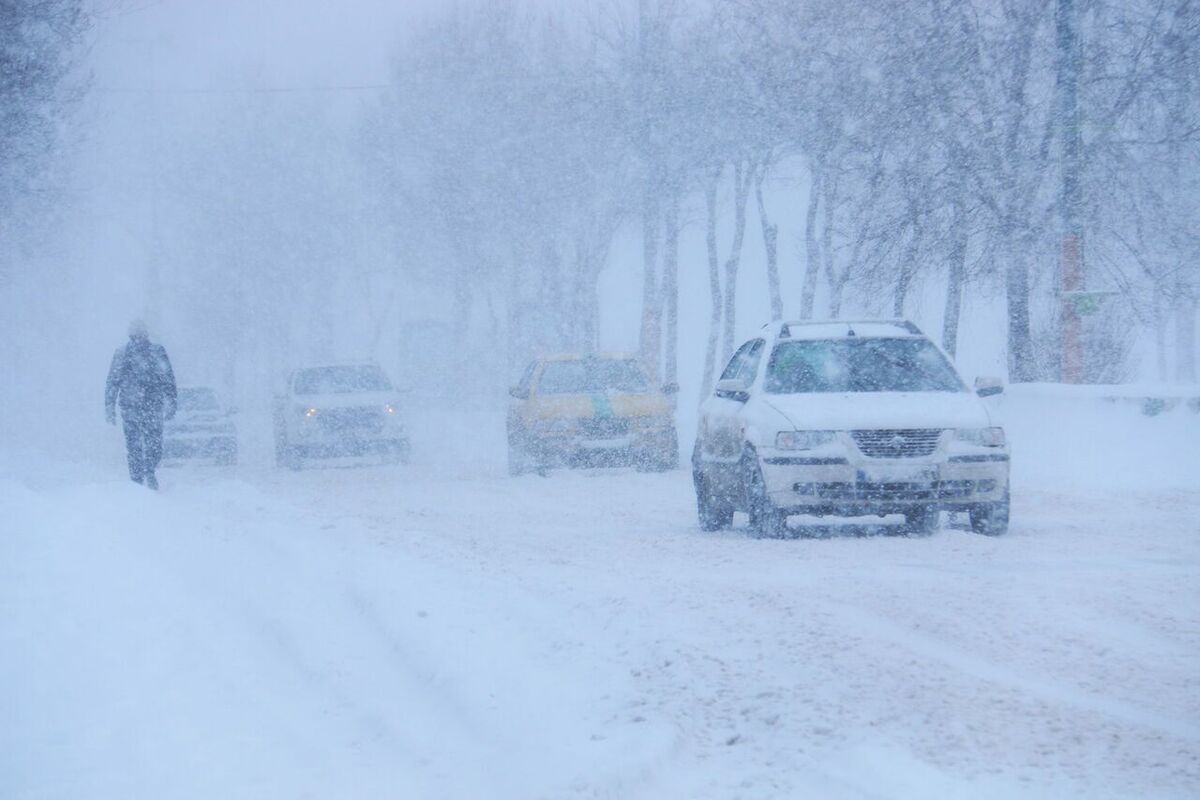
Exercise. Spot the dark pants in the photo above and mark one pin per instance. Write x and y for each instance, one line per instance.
(143, 444)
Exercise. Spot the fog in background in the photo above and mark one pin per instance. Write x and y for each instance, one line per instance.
(450, 188)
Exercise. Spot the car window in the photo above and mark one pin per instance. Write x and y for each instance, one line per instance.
(860, 365)
(749, 368)
(341, 380)
(526, 378)
(585, 376)
(734, 368)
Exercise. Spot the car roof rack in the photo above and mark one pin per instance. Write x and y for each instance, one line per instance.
(785, 328)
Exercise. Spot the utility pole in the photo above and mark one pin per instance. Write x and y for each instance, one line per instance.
(1071, 254)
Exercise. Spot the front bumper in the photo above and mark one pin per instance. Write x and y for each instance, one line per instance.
(852, 487)
(333, 434)
(199, 445)
(623, 443)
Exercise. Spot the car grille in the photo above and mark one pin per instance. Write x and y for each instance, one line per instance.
(889, 491)
(606, 428)
(363, 419)
(905, 443)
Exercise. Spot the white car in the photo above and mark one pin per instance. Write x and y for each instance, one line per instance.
(347, 409)
(851, 419)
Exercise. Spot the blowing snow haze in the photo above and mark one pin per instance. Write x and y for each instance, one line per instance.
(622, 398)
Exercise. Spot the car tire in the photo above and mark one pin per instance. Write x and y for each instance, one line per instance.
(397, 452)
(287, 455)
(766, 519)
(518, 454)
(990, 519)
(657, 461)
(668, 458)
(715, 513)
(228, 458)
(922, 521)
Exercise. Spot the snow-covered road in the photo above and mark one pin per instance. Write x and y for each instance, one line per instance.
(407, 632)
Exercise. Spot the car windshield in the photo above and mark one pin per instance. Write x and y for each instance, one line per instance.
(341, 380)
(586, 376)
(197, 400)
(860, 365)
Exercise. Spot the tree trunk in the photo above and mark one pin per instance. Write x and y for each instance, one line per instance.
(908, 271)
(1185, 333)
(670, 288)
(828, 198)
(714, 281)
(811, 249)
(651, 338)
(770, 243)
(954, 282)
(741, 189)
(1021, 366)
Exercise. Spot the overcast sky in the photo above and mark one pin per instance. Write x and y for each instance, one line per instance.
(207, 44)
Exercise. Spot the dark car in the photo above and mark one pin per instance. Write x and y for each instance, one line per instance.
(201, 429)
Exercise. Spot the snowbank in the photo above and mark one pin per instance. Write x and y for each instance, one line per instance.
(1090, 438)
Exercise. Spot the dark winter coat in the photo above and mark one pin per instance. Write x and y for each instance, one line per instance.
(141, 381)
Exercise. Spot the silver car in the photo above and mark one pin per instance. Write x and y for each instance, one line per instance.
(200, 428)
(343, 409)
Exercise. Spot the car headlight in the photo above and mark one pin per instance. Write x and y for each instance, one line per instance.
(802, 440)
(984, 437)
(389, 409)
(308, 412)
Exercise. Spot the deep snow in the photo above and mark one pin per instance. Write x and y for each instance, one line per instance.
(440, 630)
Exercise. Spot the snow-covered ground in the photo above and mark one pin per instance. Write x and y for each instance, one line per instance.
(441, 630)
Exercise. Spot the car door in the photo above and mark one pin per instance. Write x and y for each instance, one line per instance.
(722, 415)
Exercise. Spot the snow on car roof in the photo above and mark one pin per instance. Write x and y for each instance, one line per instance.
(346, 363)
(836, 329)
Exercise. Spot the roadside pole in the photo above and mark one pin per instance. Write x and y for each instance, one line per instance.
(1071, 268)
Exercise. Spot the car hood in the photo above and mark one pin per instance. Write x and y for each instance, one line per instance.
(346, 399)
(586, 406)
(880, 410)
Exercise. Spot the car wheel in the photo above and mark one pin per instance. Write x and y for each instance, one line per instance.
(668, 458)
(228, 458)
(715, 513)
(518, 454)
(765, 518)
(990, 519)
(397, 452)
(292, 459)
(921, 521)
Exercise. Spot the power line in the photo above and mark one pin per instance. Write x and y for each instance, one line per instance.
(352, 87)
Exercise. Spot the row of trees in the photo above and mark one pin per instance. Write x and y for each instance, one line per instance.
(516, 145)
(873, 153)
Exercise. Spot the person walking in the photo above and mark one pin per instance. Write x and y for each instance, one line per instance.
(142, 383)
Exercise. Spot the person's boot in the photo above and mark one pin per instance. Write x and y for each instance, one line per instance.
(151, 481)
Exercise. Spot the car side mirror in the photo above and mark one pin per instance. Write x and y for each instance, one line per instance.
(229, 412)
(731, 389)
(670, 388)
(518, 392)
(986, 387)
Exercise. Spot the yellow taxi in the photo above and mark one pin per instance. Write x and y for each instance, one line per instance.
(590, 409)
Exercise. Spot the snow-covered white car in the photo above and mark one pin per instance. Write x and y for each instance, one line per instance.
(851, 419)
(346, 409)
